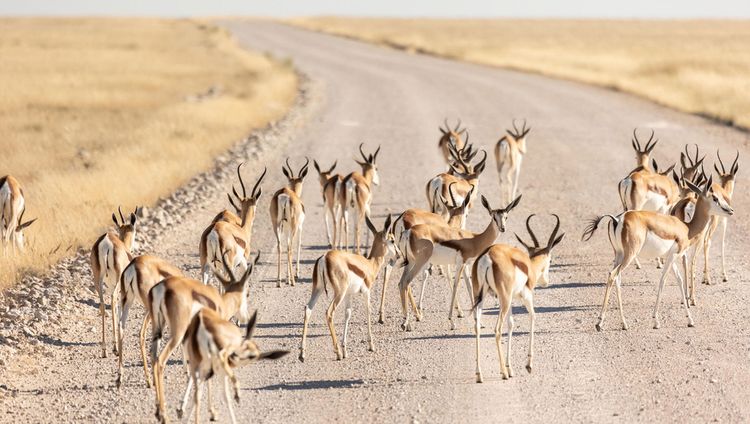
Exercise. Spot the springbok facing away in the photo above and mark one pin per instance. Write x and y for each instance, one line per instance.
(175, 301)
(509, 152)
(141, 274)
(12, 207)
(229, 232)
(356, 197)
(724, 189)
(450, 138)
(653, 235)
(216, 346)
(455, 218)
(510, 273)
(443, 245)
(287, 217)
(348, 274)
(466, 179)
(110, 255)
(330, 185)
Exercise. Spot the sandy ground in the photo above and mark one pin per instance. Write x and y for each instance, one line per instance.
(578, 149)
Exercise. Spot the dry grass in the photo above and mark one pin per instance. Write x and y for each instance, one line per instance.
(695, 66)
(96, 113)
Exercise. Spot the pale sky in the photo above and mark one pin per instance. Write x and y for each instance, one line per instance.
(406, 8)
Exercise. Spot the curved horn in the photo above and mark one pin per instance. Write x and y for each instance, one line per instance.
(650, 145)
(636, 142)
(119, 210)
(445, 122)
(484, 158)
(524, 131)
(242, 183)
(723, 169)
(375, 155)
(304, 167)
(515, 128)
(289, 167)
(531, 233)
(450, 192)
(735, 167)
(257, 183)
(458, 125)
(554, 231)
(361, 152)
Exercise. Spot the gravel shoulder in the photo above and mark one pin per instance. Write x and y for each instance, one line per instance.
(578, 149)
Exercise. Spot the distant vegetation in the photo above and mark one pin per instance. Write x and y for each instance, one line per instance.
(101, 112)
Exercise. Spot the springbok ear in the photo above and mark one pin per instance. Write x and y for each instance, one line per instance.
(486, 204)
(557, 241)
(303, 174)
(114, 219)
(26, 224)
(651, 147)
(260, 191)
(317, 168)
(480, 168)
(387, 223)
(333, 166)
(370, 225)
(513, 204)
(695, 189)
(676, 178)
(362, 164)
(132, 219)
(286, 173)
(274, 354)
(654, 165)
(251, 325)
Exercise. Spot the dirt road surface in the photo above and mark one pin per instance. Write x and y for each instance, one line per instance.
(579, 148)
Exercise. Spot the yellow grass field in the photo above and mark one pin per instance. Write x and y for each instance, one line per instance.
(95, 113)
(700, 67)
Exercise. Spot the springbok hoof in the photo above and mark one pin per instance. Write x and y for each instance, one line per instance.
(691, 324)
(479, 378)
(460, 313)
(693, 303)
(599, 326)
(237, 398)
(657, 325)
(706, 282)
(419, 317)
(381, 320)
(371, 349)
(301, 357)
(724, 279)
(625, 326)
(179, 413)
(118, 382)
(406, 326)
(528, 368)
(453, 325)
(212, 415)
(510, 372)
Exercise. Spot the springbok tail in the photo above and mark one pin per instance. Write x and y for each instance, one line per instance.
(593, 224)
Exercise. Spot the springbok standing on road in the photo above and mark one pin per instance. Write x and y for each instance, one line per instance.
(348, 274)
(287, 217)
(110, 255)
(356, 197)
(511, 273)
(509, 152)
(141, 274)
(443, 245)
(652, 234)
(216, 346)
(229, 232)
(12, 207)
(176, 300)
(724, 189)
(330, 185)
(466, 179)
(450, 138)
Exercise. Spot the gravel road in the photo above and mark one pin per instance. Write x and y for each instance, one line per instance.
(579, 147)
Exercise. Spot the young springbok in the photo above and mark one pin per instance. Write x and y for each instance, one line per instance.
(330, 185)
(175, 301)
(509, 152)
(356, 197)
(287, 216)
(450, 138)
(443, 245)
(141, 274)
(216, 346)
(12, 207)
(348, 274)
(652, 234)
(725, 189)
(511, 273)
(110, 255)
(231, 232)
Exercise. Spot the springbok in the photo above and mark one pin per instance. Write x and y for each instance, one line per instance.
(509, 152)
(330, 185)
(230, 232)
(348, 274)
(724, 189)
(12, 207)
(455, 217)
(356, 197)
(141, 274)
(110, 255)
(466, 180)
(176, 300)
(450, 138)
(215, 345)
(443, 245)
(652, 234)
(511, 273)
(287, 217)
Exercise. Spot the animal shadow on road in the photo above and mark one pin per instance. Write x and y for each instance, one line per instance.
(316, 384)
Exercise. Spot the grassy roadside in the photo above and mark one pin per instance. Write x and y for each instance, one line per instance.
(700, 67)
(97, 113)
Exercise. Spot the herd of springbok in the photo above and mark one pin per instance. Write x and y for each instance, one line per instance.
(667, 213)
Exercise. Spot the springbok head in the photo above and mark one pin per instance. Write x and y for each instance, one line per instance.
(519, 135)
(460, 158)
(369, 166)
(689, 165)
(452, 136)
(706, 198)
(126, 229)
(248, 352)
(539, 253)
(295, 183)
(643, 152)
(245, 205)
(232, 284)
(500, 216)
(324, 175)
(466, 170)
(384, 241)
(19, 238)
(727, 177)
(665, 172)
